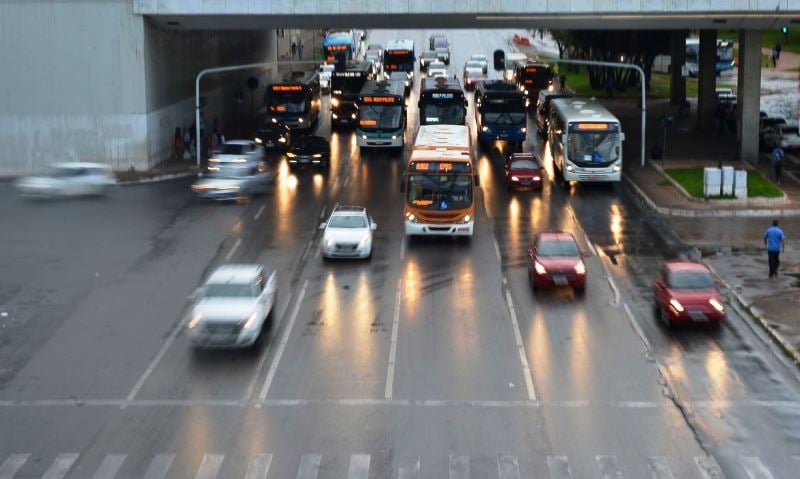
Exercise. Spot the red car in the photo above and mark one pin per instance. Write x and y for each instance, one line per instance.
(684, 293)
(523, 171)
(555, 260)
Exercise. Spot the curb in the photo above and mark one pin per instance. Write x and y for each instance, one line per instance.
(685, 213)
(158, 179)
(755, 314)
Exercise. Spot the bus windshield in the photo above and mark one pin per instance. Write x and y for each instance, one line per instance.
(379, 117)
(593, 148)
(504, 111)
(443, 112)
(286, 102)
(440, 192)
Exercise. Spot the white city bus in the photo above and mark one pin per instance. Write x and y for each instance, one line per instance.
(585, 140)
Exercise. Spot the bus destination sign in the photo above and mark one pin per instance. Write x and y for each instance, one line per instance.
(379, 99)
(440, 167)
(286, 88)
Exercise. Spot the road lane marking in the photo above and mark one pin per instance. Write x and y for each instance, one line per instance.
(210, 466)
(13, 464)
(259, 466)
(613, 288)
(346, 181)
(507, 467)
(110, 466)
(153, 363)
(393, 347)
(318, 251)
(459, 467)
(284, 340)
(708, 467)
(559, 467)
(523, 358)
(592, 247)
(309, 466)
(305, 251)
(754, 468)
(497, 250)
(359, 467)
(636, 327)
(403, 248)
(258, 213)
(159, 467)
(660, 467)
(409, 469)
(322, 213)
(60, 466)
(609, 467)
(233, 249)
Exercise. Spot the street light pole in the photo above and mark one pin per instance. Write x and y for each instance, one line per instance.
(630, 67)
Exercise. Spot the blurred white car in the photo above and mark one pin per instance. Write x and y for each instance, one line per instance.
(325, 71)
(377, 62)
(233, 182)
(473, 74)
(480, 58)
(68, 179)
(348, 233)
(437, 69)
(232, 307)
(237, 152)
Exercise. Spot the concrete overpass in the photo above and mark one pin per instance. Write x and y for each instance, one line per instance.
(110, 80)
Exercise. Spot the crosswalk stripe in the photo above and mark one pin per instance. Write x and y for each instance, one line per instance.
(409, 469)
(559, 467)
(60, 466)
(359, 467)
(210, 466)
(159, 467)
(709, 468)
(110, 466)
(609, 467)
(660, 468)
(754, 468)
(459, 467)
(507, 467)
(259, 466)
(13, 464)
(309, 466)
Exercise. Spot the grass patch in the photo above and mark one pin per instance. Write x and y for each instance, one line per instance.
(691, 179)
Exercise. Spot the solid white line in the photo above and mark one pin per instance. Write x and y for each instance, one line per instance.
(258, 213)
(233, 249)
(110, 466)
(660, 468)
(393, 348)
(359, 466)
(159, 466)
(592, 247)
(497, 250)
(305, 251)
(613, 288)
(507, 467)
(559, 467)
(153, 363)
(636, 327)
(523, 359)
(309, 466)
(318, 251)
(754, 468)
(13, 464)
(609, 467)
(322, 213)
(284, 340)
(60, 466)
(346, 181)
(210, 466)
(259, 466)
(403, 248)
(459, 467)
(708, 467)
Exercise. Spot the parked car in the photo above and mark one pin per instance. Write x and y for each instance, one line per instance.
(310, 151)
(555, 260)
(68, 179)
(238, 152)
(523, 171)
(684, 293)
(232, 307)
(348, 233)
(426, 59)
(233, 182)
(480, 58)
(474, 73)
(274, 136)
(325, 76)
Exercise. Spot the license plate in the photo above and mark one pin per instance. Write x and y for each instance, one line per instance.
(270, 143)
(560, 280)
(698, 316)
(463, 229)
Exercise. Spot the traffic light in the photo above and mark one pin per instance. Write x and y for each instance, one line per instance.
(785, 31)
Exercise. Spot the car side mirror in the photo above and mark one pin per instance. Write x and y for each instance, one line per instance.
(323, 225)
(373, 226)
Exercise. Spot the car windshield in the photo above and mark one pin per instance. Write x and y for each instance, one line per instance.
(558, 248)
(379, 116)
(64, 172)
(228, 290)
(480, 58)
(440, 192)
(233, 149)
(347, 221)
(429, 55)
(524, 165)
(685, 280)
(474, 65)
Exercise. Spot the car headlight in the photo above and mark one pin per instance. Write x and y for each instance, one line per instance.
(422, 62)
(523, 129)
(282, 139)
(580, 268)
(676, 305)
(409, 74)
(716, 305)
(251, 320)
(274, 120)
(290, 154)
(485, 128)
(363, 242)
(335, 101)
(335, 116)
(407, 82)
(328, 241)
(195, 320)
(300, 120)
(466, 219)
(317, 155)
(258, 140)
(514, 178)
(526, 92)
(353, 116)
(537, 178)
(539, 268)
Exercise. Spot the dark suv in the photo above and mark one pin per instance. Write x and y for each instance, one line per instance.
(274, 136)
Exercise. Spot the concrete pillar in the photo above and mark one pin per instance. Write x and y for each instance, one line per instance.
(677, 85)
(707, 80)
(749, 94)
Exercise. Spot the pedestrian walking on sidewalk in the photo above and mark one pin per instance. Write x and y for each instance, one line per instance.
(778, 50)
(177, 140)
(188, 144)
(294, 49)
(775, 58)
(777, 163)
(774, 239)
(300, 50)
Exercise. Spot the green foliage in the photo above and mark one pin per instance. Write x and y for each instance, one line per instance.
(691, 179)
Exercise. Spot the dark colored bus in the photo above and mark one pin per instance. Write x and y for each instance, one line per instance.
(294, 101)
(531, 78)
(399, 56)
(345, 87)
(442, 102)
(500, 112)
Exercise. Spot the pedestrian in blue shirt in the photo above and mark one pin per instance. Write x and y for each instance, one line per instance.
(777, 163)
(774, 240)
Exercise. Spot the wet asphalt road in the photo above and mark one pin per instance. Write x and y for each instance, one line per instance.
(433, 360)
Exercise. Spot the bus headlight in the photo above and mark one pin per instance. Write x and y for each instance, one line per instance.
(411, 218)
(466, 219)
(569, 168)
(523, 130)
(334, 101)
(394, 137)
(300, 120)
(363, 137)
(616, 167)
(334, 116)
(317, 155)
(484, 129)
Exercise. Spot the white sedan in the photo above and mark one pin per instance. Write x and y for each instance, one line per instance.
(68, 179)
(348, 233)
(232, 307)
(325, 71)
(237, 153)
(480, 58)
(437, 69)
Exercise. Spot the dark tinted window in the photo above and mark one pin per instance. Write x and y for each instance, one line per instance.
(690, 280)
(555, 248)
